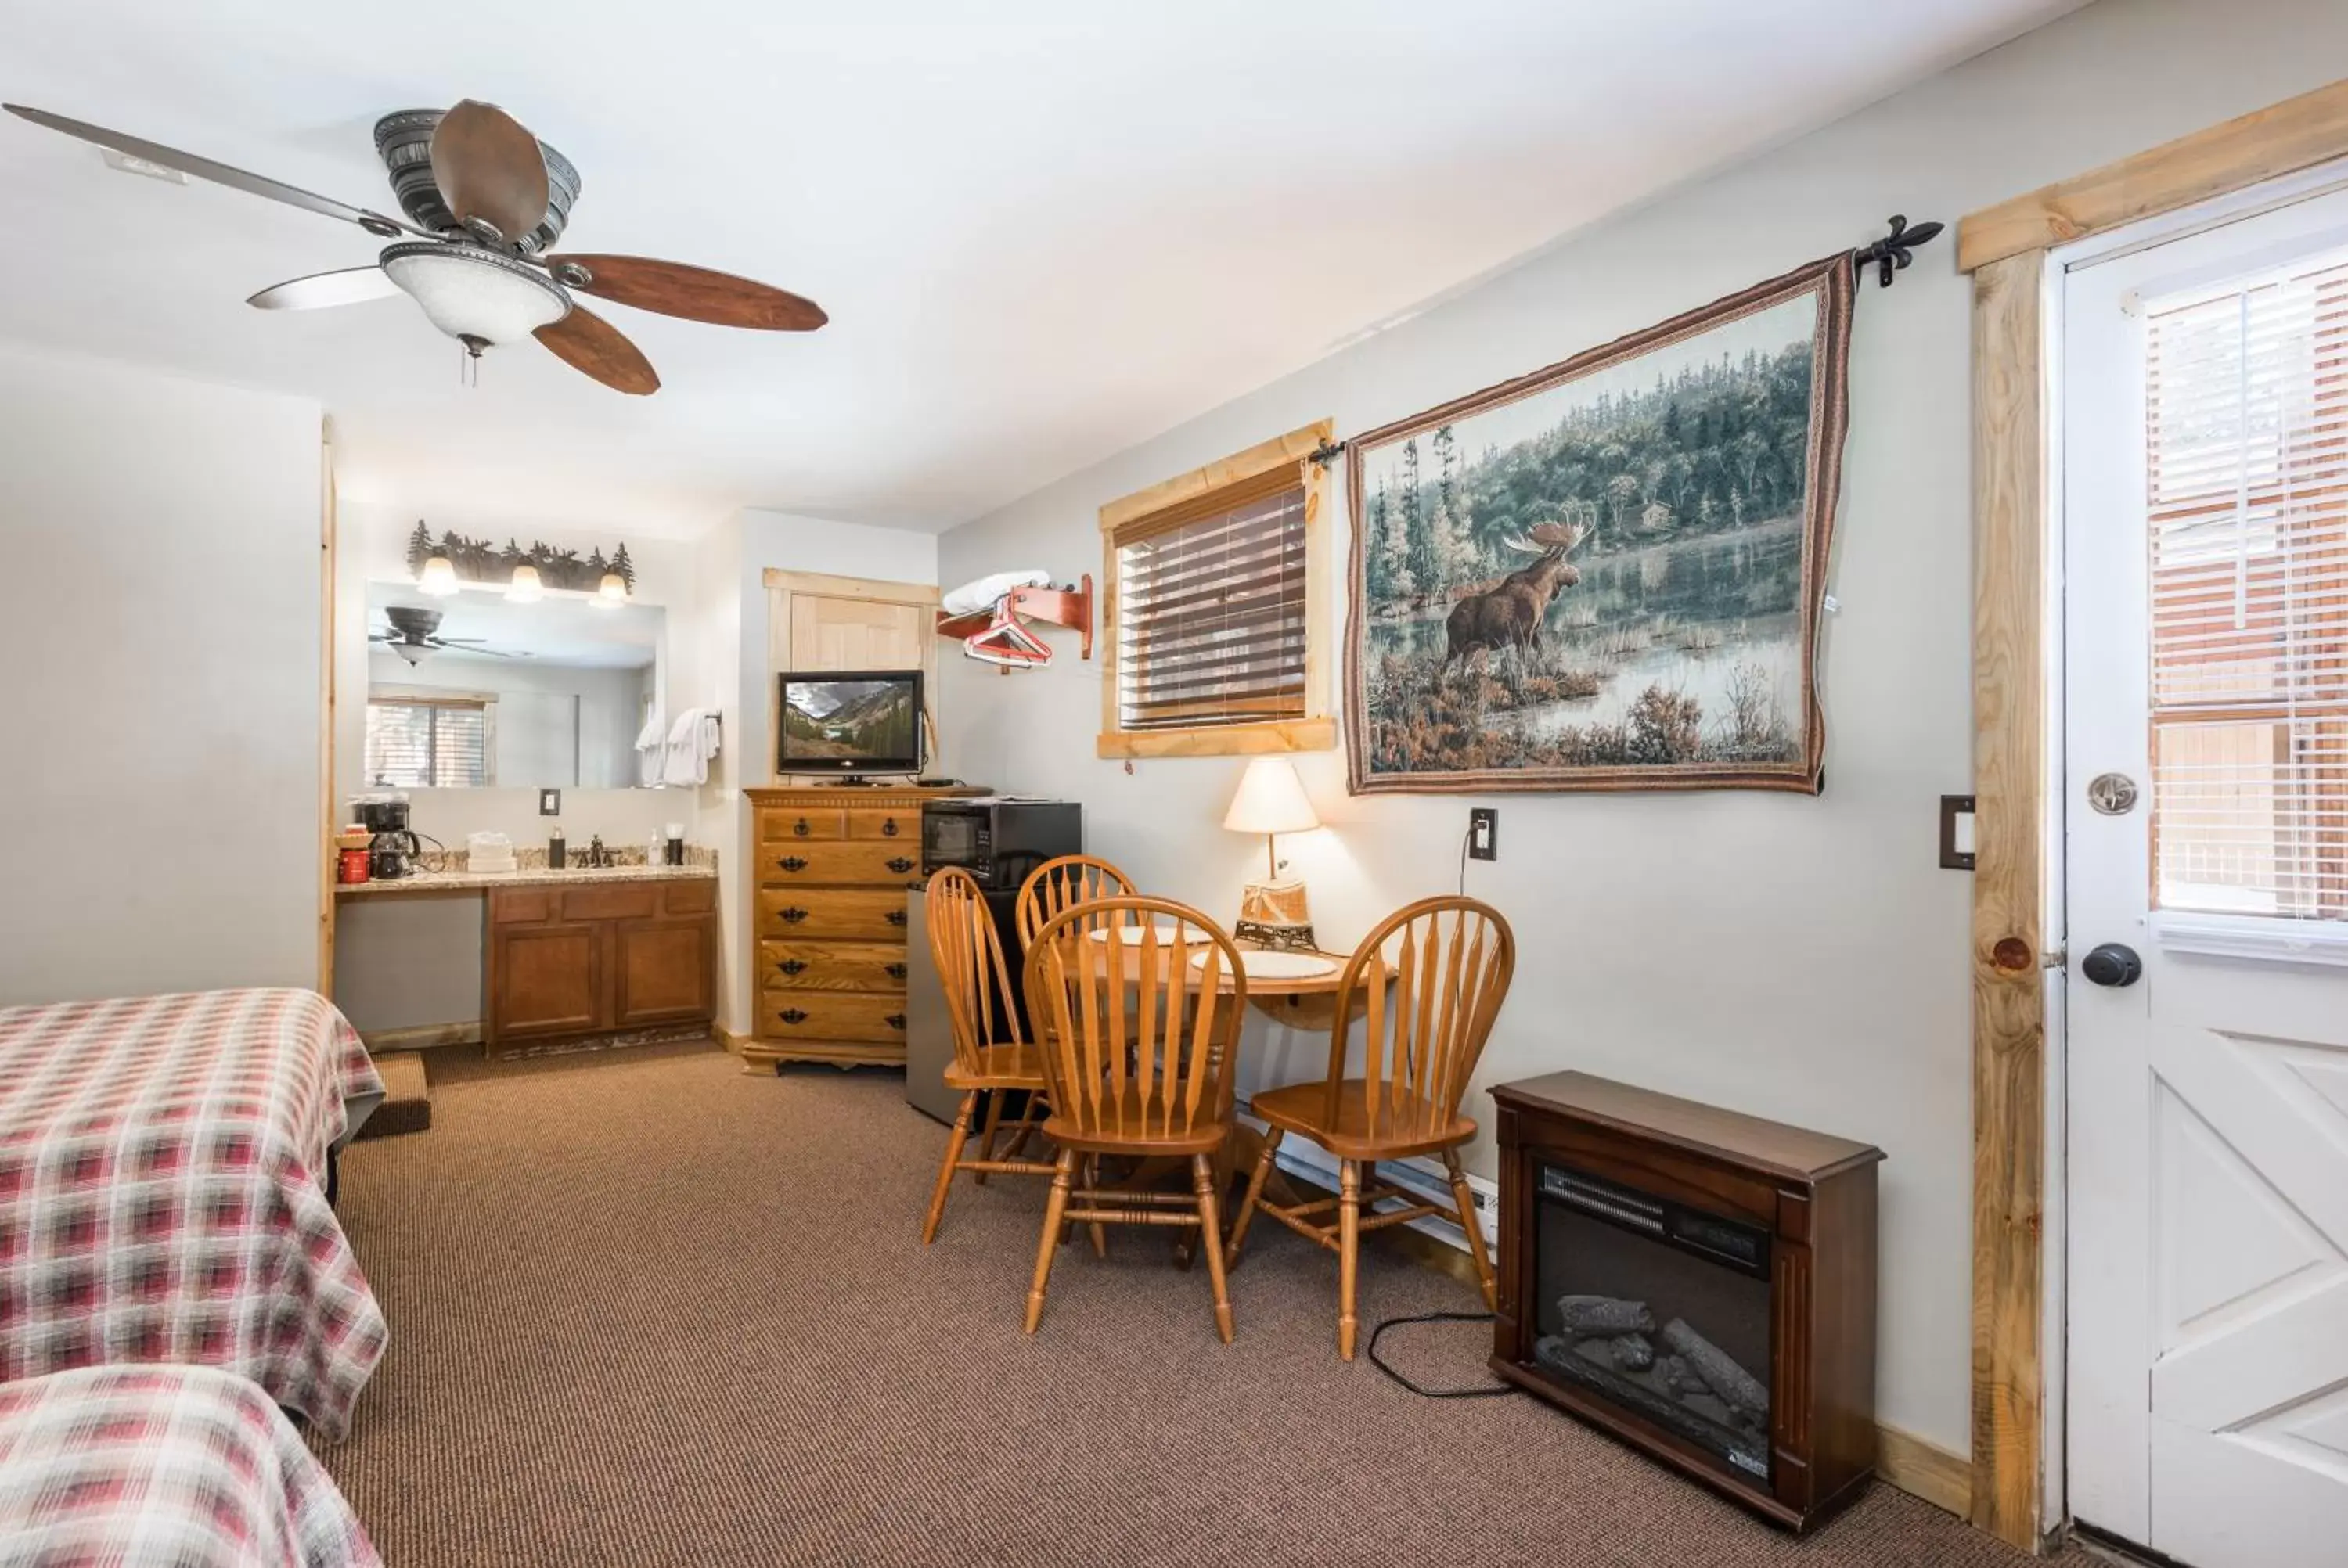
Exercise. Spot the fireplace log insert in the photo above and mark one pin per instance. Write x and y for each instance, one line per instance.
(1697, 1283)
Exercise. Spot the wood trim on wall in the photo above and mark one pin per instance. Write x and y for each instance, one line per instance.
(2283, 139)
(2009, 1077)
(2006, 249)
(1924, 1469)
(329, 857)
(1317, 730)
(781, 584)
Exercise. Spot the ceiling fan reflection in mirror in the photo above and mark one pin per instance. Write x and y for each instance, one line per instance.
(485, 199)
(415, 636)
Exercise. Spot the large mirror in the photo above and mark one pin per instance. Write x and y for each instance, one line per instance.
(472, 690)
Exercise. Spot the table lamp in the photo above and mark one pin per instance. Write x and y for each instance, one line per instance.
(1271, 800)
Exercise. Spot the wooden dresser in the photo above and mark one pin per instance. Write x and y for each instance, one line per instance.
(830, 868)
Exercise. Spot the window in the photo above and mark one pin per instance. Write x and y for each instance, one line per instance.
(2246, 443)
(1213, 608)
(426, 743)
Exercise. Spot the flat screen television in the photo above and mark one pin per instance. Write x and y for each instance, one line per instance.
(850, 722)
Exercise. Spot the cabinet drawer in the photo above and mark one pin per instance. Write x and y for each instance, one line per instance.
(842, 1015)
(609, 901)
(698, 896)
(835, 864)
(781, 824)
(903, 824)
(512, 906)
(856, 913)
(832, 966)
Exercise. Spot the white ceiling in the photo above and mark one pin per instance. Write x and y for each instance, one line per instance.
(1045, 229)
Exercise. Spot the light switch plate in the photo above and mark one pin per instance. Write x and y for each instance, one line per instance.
(1483, 833)
(550, 803)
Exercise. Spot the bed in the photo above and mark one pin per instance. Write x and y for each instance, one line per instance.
(161, 1161)
(163, 1467)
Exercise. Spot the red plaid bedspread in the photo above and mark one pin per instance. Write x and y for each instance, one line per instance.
(161, 1199)
(163, 1467)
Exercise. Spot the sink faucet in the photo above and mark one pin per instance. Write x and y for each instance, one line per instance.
(598, 857)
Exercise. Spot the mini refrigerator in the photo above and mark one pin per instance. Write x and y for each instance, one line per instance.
(928, 1034)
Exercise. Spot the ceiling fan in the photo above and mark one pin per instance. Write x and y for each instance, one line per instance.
(485, 200)
(415, 636)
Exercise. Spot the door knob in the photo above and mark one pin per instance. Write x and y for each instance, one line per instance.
(2113, 964)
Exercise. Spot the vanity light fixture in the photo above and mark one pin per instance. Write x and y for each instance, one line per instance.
(612, 592)
(525, 588)
(439, 578)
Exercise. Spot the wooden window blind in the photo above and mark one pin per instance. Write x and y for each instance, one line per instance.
(418, 742)
(2247, 451)
(1210, 609)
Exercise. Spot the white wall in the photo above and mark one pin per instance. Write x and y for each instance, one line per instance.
(158, 816)
(1800, 958)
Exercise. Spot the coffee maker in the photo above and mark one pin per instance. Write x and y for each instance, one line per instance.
(392, 852)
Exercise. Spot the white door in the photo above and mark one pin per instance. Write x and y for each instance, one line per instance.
(2204, 485)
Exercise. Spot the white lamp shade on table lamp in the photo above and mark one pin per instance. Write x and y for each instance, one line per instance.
(1271, 799)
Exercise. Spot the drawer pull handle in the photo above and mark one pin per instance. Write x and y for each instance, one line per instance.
(800, 827)
(896, 917)
(793, 863)
(895, 1020)
(793, 966)
(900, 864)
(792, 1015)
(793, 916)
(888, 827)
(896, 972)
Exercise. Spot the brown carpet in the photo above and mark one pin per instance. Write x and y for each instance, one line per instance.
(647, 1310)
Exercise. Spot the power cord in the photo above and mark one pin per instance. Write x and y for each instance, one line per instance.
(1493, 1392)
(1465, 839)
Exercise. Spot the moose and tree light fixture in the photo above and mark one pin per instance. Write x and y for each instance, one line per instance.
(477, 560)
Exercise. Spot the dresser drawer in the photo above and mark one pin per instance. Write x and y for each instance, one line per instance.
(839, 864)
(783, 824)
(903, 824)
(836, 1015)
(832, 966)
(856, 913)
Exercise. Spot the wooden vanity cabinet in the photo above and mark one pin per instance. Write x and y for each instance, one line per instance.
(600, 959)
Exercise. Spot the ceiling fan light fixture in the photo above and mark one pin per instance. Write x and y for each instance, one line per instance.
(470, 292)
(612, 592)
(414, 652)
(439, 578)
(525, 588)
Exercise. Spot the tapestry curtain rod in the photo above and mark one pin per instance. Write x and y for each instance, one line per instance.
(1889, 255)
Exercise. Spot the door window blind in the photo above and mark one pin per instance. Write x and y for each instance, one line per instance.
(1211, 610)
(428, 743)
(2247, 453)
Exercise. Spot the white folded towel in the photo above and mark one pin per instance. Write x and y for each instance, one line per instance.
(692, 741)
(652, 749)
(972, 597)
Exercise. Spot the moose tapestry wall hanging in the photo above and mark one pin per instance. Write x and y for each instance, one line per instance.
(1607, 575)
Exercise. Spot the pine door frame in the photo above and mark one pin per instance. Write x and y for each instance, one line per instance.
(781, 584)
(2017, 756)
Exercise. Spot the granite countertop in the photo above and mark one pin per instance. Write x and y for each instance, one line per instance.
(527, 877)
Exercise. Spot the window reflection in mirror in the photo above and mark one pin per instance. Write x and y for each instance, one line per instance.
(472, 692)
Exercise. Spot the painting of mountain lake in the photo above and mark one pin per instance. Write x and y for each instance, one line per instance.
(1606, 575)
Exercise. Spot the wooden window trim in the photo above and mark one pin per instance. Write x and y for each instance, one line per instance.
(2006, 248)
(1186, 497)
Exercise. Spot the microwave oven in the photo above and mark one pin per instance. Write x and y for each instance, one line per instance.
(999, 842)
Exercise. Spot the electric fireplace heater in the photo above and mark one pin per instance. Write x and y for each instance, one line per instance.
(1698, 1283)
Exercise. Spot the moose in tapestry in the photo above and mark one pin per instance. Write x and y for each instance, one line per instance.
(1607, 574)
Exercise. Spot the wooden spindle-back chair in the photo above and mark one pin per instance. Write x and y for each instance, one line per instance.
(1061, 884)
(969, 956)
(1427, 985)
(1137, 1048)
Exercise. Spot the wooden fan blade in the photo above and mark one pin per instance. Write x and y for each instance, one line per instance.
(696, 293)
(586, 342)
(155, 152)
(488, 167)
(351, 286)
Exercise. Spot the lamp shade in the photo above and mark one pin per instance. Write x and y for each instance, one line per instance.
(440, 577)
(471, 293)
(526, 587)
(1271, 799)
